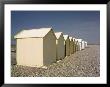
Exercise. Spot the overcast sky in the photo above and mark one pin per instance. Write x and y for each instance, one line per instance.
(78, 24)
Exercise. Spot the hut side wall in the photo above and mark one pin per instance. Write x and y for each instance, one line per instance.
(71, 47)
(30, 51)
(67, 47)
(83, 45)
(76, 46)
(80, 45)
(60, 52)
(49, 46)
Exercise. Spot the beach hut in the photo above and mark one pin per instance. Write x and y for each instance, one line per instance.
(76, 45)
(86, 44)
(36, 47)
(60, 46)
(83, 44)
(79, 44)
(71, 45)
(67, 47)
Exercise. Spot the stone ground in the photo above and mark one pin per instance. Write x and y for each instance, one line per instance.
(85, 63)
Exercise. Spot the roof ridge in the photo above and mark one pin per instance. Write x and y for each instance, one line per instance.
(41, 32)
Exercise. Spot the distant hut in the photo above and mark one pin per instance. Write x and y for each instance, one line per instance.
(67, 47)
(36, 47)
(60, 46)
(83, 44)
(71, 45)
(76, 45)
(80, 44)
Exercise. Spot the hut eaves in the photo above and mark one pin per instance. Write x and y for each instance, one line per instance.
(65, 36)
(58, 34)
(70, 38)
(41, 32)
(79, 40)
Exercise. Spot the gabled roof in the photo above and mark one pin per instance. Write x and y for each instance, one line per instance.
(71, 38)
(65, 36)
(85, 41)
(79, 40)
(33, 33)
(76, 40)
(58, 34)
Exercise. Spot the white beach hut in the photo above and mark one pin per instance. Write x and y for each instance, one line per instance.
(76, 45)
(83, 44)
(71, 45)
(67, 43)
(36, 47)
(80, 44)
(60, 46)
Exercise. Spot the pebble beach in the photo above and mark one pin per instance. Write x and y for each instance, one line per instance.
(84, 63)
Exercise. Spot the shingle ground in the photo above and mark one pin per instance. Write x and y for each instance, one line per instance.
(85, 63)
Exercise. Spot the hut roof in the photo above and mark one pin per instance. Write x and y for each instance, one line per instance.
(65, 36)
(33, 33)
(79, 40)
(58, 34)
(71, 38)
